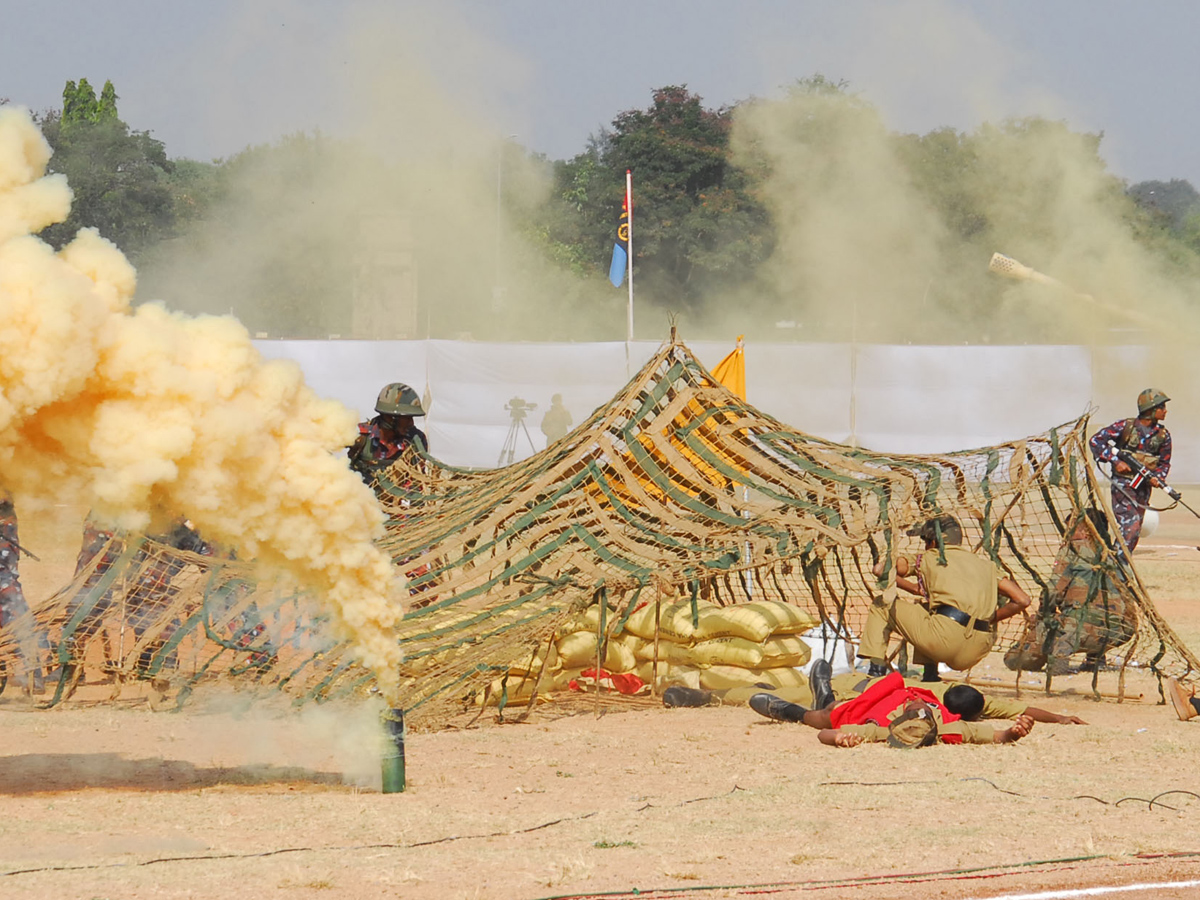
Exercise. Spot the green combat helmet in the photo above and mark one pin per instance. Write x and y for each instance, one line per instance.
(1150, 398)
(398, 399)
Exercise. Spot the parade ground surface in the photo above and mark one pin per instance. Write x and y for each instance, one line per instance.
(233, 799)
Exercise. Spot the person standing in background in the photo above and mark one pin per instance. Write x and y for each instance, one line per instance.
(557, 420)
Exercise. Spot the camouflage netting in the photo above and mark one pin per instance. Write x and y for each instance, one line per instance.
(676, 492)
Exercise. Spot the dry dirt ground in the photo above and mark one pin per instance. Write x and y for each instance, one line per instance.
(236, 800)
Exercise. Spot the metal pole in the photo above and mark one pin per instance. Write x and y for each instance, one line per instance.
(497, 290)
(629, 262)
(853, 441)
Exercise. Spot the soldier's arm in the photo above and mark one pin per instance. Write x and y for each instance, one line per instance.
(903, 567)
(1044, 715)
(1099, 443)
(1162, 466)
(851, 735)
(1015, 732)
(1018, 600)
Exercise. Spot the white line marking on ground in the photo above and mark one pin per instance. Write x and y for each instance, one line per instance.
(1094, 892)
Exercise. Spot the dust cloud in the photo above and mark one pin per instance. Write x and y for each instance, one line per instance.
(862, 248)
(145, 414)
(420, 176)
(870, 244)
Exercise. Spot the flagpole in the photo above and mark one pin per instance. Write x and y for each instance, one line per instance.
(629, 264)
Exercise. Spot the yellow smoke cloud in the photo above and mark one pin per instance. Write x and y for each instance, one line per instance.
(145, 412)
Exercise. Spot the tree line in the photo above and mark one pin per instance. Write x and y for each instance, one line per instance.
(729, 203)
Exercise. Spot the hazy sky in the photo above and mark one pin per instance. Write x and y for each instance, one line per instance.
(209, 77)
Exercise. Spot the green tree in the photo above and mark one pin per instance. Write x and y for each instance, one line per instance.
(698, 229)
(272, 236)
(1175, 200)
(118, 176)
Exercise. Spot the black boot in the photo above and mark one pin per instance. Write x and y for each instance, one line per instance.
(678, 695)
(777, 708)
(931, 672)
(818, 683)
(877, 670)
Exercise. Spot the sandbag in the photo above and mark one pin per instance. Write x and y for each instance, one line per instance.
(588, 620)
(561, 680)
(519, 691)
(727, 651)
(668, 651)
(740, 696)
(780, 650)
(579, 649)
(674, 621)
(527, 665)
(754, 621)
(669, 674)
(721, 678)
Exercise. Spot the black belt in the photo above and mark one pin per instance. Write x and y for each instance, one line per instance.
(951, 612)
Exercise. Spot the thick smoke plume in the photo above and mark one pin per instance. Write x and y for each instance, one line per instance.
(145, 414)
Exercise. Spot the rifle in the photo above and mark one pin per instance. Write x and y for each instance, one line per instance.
(19, 548)
(1141, 474)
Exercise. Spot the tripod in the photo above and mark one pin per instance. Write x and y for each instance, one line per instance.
(509, 449)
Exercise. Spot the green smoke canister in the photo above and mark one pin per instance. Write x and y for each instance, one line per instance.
(393, 753)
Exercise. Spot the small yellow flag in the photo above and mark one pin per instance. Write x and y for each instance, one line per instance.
(731, 371)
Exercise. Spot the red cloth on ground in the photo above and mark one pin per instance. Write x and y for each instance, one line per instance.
(621, 682)
(888, 695)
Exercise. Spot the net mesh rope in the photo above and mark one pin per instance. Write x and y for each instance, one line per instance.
(676, 490)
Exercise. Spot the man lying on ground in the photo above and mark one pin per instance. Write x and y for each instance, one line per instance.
(825, 689)
(903, 715)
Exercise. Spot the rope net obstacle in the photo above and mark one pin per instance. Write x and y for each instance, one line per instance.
(675, 502)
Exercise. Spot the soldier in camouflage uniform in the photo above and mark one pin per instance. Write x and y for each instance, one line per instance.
(383, 438)
(154, 593)
(1148, 440)
(1086, 611)
(100, 549)
(12, 597)
(150, 593)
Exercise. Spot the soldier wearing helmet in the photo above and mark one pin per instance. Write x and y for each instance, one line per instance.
(382, 439)
(1148, 440)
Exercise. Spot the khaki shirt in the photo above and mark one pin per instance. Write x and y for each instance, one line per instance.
(972, 732)
(967, 582)
(848, 685)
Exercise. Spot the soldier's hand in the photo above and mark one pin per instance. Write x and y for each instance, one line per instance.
(848, 739)
(1070, 720)
(1020, 728)
(1120, 467)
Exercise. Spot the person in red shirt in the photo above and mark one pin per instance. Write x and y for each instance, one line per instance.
(872, 716)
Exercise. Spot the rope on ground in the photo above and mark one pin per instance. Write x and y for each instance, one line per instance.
(1149, 803)
(694, 799)
(281, 850)
(979, 872)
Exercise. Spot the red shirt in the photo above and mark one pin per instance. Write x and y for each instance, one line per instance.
(886, 699)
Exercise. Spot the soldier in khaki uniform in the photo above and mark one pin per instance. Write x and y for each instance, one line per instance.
(887, 703)
(961, 589)
(785, 704)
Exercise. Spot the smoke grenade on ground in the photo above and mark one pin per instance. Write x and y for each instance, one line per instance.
(145, 413)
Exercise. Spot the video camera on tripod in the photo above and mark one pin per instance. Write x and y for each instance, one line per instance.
(517, 408)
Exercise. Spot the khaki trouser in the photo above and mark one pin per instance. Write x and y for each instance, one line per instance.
(934, 638)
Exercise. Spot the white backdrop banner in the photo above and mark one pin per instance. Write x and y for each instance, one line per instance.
(892, 398)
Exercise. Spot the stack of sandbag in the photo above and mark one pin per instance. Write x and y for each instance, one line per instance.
(749, 643)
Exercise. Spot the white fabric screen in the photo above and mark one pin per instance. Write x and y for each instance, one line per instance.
(892, 398)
